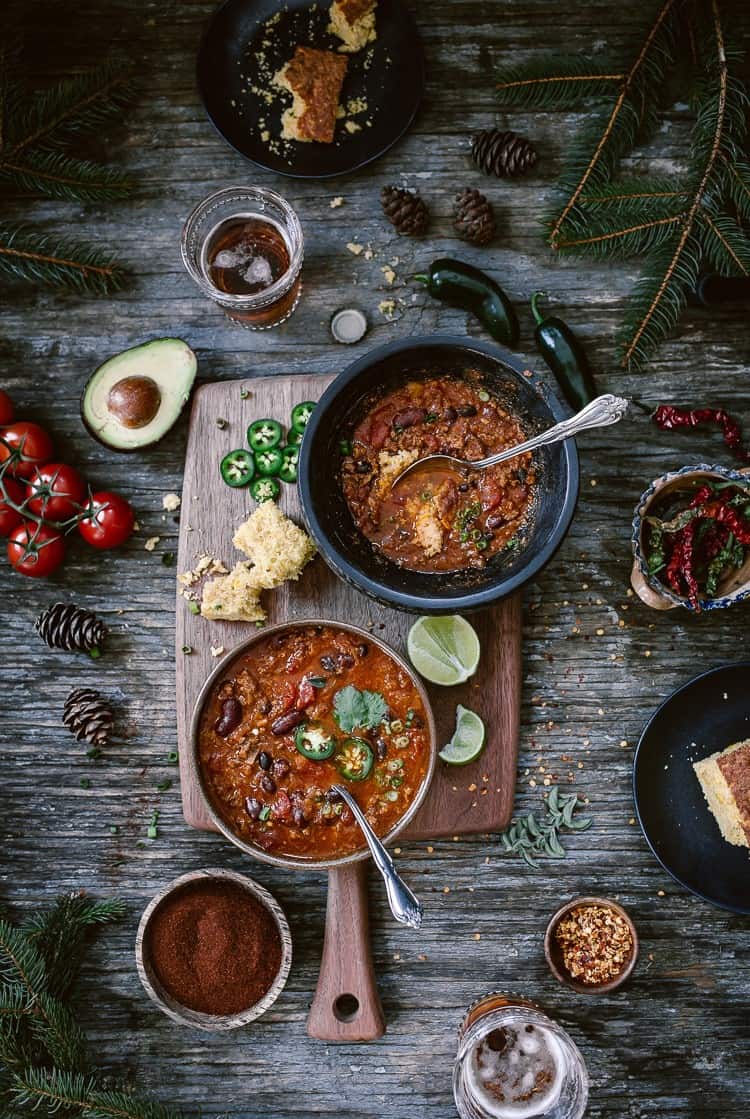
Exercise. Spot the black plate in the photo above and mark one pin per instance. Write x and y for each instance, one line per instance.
(391, 84)
(706, 715)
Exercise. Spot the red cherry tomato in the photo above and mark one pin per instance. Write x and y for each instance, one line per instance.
(31, 440)
(35, 550)
(9, 518)
(6, 408)
(110, 521)
(56, 491)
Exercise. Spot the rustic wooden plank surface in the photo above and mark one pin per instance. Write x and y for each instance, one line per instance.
(674, 1042)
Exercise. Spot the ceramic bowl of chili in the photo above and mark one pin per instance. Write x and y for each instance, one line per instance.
(295, 709)
(512, 403)
(213, 950)
(691, 539)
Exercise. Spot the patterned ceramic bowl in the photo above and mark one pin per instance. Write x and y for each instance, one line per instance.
(733, 588)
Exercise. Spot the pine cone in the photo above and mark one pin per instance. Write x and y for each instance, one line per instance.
(66, 626)
(473, 217)
(405, 210)
(502, 153)
(88, 716)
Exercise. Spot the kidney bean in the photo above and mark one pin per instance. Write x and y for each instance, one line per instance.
(264, 760)
(409, 417)
(253, 807)
(281, 767)
(450, 414)
(230, 717)
(288, 722)
(466, 410)
(299, 817)
(381, 748)
(282, 806)
(267, 784)
(345, 660)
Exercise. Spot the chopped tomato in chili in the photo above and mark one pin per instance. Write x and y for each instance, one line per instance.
(438, 518)
(266, 732)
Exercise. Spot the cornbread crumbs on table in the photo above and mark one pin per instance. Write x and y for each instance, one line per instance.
(151, 543)
(171, 502)
(314, 79)
(336, 202)
(354, 248)
(353, 21)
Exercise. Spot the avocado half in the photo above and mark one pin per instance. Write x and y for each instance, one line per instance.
(134, 398)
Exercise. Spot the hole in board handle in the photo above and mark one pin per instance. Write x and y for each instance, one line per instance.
(346, 1008)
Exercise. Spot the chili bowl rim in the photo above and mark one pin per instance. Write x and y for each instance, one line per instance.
(196, 1019)
(291, 862)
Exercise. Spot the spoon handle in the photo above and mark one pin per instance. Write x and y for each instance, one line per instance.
(601, 412)
(405, 906)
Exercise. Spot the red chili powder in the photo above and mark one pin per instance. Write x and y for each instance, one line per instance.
(214, 947)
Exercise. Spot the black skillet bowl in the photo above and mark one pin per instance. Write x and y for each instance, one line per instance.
(327, 514)
(707, 714)
(236, 59)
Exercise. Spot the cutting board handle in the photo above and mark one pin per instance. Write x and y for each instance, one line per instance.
(346, 1006)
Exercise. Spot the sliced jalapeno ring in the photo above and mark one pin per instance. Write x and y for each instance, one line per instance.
(288, 468)
(313, 743)
(264, 489)
(293, 438)
(264, 434)
(355, 759)
(301, 415)
(237, 468)
(268, 463)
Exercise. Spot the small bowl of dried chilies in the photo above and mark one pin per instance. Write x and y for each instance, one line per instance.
(691, 539)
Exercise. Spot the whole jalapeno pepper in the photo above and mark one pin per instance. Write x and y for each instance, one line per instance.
(468, 288)
(565, 356)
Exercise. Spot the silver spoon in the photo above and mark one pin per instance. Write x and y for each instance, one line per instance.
(405, 907)
(601, 412)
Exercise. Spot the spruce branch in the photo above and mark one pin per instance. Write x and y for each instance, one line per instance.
(725, 246)
(552, 83)
(736, 186)
(55, 175)
(653, 196)
(599, 240)
(60, 935)
(55, 1090)
(30, 257)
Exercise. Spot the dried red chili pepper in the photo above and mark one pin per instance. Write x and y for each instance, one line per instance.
(668, 418)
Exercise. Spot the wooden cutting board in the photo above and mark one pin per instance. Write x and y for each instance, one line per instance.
(462, 800)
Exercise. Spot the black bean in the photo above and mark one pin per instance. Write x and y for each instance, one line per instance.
(264, 760)
(522, 475)
(299, 817)
(328, 663)
(381, 748)
(345, 660)
(363, 650)
(494, 520)
(466, 410)
(253, 807)
(230, 717)
(362, 466)
(287, 722)
(463, 487)
(281, 767)
(267, 784)
(332, 796)
(450, 414)
(280, 639)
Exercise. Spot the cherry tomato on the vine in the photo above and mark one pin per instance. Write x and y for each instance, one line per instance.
(6, 408)
(35, 550)
(31, 440)
(109, 522)
(56, 491)
(9, 518)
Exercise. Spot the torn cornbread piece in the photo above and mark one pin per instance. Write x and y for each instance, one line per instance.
(314, 79)
(278, 549)
(725, 780)
(234, 597)
(354, 23)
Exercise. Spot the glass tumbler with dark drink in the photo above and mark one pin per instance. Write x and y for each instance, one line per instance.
(244, 248)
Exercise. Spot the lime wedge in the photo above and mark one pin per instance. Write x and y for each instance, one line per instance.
(444, 650)
(468, 738)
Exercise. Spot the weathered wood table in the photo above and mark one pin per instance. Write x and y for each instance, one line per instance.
(674, 1042)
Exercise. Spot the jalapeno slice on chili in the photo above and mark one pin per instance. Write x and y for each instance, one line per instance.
(264, 434)
(355, 759)
(264, 489)
(237, 468)
(301, 415)
(313, 743)
(268, 463)
(288, 468)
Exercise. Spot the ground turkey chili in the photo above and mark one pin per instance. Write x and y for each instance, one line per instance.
(301, 710)
(437, 519)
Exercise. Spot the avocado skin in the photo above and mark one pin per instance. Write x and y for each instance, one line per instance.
(157, 438)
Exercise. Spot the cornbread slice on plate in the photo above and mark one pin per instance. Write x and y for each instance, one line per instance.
(314, 79)
(354, 23)
(725, 780)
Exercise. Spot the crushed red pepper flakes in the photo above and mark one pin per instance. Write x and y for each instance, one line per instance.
(596, 943)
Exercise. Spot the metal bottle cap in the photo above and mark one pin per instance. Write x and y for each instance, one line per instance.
(348, 325)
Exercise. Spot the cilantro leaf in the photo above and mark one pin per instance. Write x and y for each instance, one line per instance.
(353, 708)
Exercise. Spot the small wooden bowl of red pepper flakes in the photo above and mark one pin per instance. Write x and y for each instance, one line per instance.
(591, 945)
(691, 539)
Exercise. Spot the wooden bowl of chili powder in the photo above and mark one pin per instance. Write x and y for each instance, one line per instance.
(691, 539)
(213, 950)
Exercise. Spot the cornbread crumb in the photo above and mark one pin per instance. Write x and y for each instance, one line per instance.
(336, 202)
(354, 248)
(278, 548)
(387, 307)
(171, 502)
(217, 650)
(151, 543)
(353, 21)
(234, 597)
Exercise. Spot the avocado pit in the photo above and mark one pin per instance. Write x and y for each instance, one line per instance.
(134, 401)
